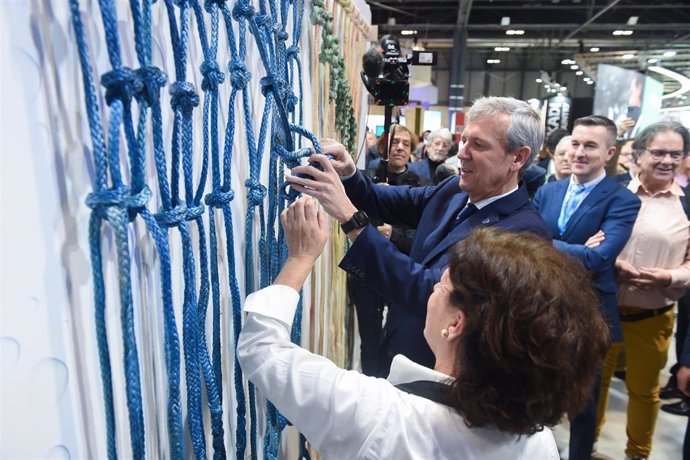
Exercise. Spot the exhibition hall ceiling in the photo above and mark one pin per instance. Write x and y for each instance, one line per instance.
(628, 33)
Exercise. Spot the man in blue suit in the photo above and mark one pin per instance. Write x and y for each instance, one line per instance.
(591, 217)
(500, 140)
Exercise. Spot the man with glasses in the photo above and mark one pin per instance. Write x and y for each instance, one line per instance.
(499, 142)
(440, 142)
(654, 271)
(591, 217)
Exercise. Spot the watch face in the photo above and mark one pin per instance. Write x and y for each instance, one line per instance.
(360, 218)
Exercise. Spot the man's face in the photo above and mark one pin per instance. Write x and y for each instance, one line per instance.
(371, 139)
(438, 149)
(658, 173)
(486, 169)
(400, 151)
(561, 158)
(589, 152)
(625, 155)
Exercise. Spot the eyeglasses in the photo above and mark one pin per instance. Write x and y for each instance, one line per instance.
(661, 154)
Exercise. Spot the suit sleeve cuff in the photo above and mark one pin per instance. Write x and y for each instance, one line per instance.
(349, 176)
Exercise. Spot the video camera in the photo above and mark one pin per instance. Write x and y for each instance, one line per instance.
(386, 74)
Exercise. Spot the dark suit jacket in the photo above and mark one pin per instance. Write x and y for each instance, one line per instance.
(534, 177)
(425, 170)
(623, 178)
(608, 207)
(544, 163)
(407, 281)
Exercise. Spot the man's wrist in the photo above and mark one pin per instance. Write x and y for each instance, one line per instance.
(295, 271)
(347, 175)
(346, 215)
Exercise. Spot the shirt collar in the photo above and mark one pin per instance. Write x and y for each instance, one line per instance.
(637, 187)
(405, 371)
(588, 185)
(487, 201)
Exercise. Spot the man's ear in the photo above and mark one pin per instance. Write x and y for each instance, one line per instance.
(521, 157)
(456, 325)
(611, 153)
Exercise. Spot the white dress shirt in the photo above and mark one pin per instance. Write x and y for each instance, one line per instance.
(347, 415)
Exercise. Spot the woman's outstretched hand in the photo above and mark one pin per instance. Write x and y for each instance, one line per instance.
(305, 232)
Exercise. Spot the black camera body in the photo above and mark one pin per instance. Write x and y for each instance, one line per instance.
(386, 74)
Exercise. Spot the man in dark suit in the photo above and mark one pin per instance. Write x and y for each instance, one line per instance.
(491, 159)
(591, 217)
(438, 147)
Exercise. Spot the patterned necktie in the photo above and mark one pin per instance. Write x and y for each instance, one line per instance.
(576, 193)
(466, 212)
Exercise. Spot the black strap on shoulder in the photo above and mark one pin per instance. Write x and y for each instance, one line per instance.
(433, 391)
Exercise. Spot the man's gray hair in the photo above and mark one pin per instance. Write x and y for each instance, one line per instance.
(647, 135)
(525, 129)
(443, 133)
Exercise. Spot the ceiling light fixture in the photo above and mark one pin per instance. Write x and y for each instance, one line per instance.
(502, 48)
(622, 32)
(538, 80)
(574, 67)
(628, 56)
(669, 53)
(682, 79)
(594, 49)
(579, 72)
(408, 32)
(493, 61)
(652, 60)
(515, 32)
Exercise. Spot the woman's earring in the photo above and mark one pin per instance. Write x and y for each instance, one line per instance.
(444, 332)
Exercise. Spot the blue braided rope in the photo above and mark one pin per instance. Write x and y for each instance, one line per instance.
(101, 330)
(189, 339)
(212, 77)
(144, 84)
(183, 101)
(121, 84)
(255, 195)
(152, 80)
(221, 197)
(172, 347)
(212, 374)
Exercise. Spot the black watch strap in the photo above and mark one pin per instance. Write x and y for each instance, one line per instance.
(358, 220)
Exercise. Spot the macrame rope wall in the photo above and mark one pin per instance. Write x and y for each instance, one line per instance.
(195, 190)
(337, 25)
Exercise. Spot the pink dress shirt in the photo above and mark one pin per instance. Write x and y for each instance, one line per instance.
(660, 238)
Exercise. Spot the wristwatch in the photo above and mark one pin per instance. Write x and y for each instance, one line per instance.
(358, 220)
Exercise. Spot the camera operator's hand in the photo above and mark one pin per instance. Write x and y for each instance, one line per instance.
(325, 186)
(342, 162)
(306, 234)
(625, 125)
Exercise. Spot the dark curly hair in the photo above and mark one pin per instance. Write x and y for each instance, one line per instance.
(533, 334)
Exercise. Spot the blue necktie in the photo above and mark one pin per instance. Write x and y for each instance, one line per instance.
(575, 195)
(466, 212)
